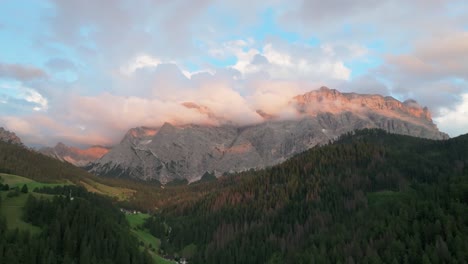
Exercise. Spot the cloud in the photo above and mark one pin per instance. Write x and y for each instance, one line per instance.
(435, 72)
(367, 19)
(17, 95)
(278, 62)
(139, 62)
(112, 67)
(41, 130)
(433, 59)
(366, 84)
(455, 120)
(60, 64)
(33, 96)
(21, 72)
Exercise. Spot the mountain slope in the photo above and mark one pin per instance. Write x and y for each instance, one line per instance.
(188, 151)
(75, 156)
(371, 197)
(9, 137)
(19, 160)
(58, 229)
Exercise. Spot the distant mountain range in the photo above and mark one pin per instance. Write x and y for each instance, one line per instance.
(188, 151)
(75, 156)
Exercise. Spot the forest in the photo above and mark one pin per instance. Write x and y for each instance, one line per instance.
(85, 228)
(370, 197)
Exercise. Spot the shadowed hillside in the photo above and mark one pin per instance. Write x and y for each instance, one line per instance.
(370, 197)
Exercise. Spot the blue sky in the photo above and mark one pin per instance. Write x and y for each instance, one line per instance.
(83, 72)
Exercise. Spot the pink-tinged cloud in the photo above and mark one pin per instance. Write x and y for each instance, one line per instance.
(21, 72)
(441, 57)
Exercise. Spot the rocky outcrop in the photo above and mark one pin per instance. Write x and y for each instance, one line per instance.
(188, 151)
(9, 137)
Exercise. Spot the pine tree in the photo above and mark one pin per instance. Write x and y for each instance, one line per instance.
(24, 189)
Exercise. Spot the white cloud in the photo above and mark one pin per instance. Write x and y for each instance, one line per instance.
(163, 50)
(312, 63)
(455, 121)
(16, 91)
(147, 61)
(32, 96)
(139, 62)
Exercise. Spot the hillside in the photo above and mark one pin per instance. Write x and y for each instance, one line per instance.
(33, 214)
(371, 197)
(146, 196)
(19, 160)
(63, 224)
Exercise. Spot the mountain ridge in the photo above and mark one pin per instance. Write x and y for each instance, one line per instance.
(188, 151)
(9, 137)
(76, 156)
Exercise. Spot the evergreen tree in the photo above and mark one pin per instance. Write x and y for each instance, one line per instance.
(24, 189)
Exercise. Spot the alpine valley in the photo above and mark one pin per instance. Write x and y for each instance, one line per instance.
(203, 132)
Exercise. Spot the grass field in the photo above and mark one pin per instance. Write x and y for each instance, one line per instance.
(18, 181)
(12, 207)
(120, 193)
(90, 185)
(12, 210)
(159, 260)
(136, 220)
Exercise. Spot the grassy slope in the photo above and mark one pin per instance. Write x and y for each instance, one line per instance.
(92, 186)
(12, 210)
(118, 192)
(18, 181)
(19, 160)
(136, 221)
(12, 207)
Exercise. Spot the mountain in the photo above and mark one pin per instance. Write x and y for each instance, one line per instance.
(9, 137)
(369, 197)
(75, 156)
(188, 151)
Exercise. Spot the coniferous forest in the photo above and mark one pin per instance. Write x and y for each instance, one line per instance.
(370, 197)
(85, 229)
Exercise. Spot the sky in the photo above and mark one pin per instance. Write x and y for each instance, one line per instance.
(83, 72)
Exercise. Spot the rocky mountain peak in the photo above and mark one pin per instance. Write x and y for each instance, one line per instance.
(61, 147)
(333, 101)
(188, 151)
(9, 137)
(135, 135)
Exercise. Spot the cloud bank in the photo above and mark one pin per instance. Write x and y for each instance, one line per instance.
(83, 72)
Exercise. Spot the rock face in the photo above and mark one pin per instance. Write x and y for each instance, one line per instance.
(9, 137)
(188, 151)
(75, 156)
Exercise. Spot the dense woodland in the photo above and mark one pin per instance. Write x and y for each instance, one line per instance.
(84, 229)
(370, 197)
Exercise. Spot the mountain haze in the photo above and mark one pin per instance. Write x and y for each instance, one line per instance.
(188, 151)
(75, 156)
